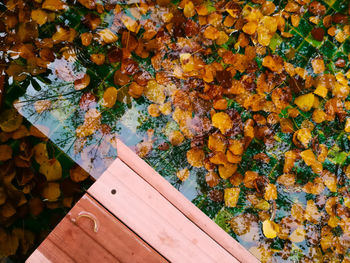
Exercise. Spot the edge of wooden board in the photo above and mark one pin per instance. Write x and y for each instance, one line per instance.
(177, 199)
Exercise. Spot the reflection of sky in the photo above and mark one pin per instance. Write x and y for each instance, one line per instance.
(93, 153)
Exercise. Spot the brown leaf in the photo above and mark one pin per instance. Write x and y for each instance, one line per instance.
(5, 152)
(77, 174)
(51, 192)
(51, 169)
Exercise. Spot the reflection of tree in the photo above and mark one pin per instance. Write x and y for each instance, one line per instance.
(64, 115)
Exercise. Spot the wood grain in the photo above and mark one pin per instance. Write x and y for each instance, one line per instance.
(181, 203)
(151, 216)
(75, 239)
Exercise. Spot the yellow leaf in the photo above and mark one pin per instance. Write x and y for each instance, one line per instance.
(311, 212)
(195, 157)
(308, 156)
(187, 62)
(155, 92)
(333, 221)
(347, 202)
(249, 179)
(305, 102)
(318, 65)
(298, 212)
(108, 36)
(227, 170)
(270, 192)
(270, 229)
(216, 142)
(211, 33)
(189, 10)
(236, 147)
(330, 180)
(39, 16)
(183, 174)
(231, 196)
(298, 235)
(321, 91)
(110, 97)
(286, 179)
(347, 125)
(176, 138)
(40, 153)
(53, 5)
(222, 121)
(130, 23)
(250, 28)
(52, 192)
(302, 136)
(90, 4)
(51, 169)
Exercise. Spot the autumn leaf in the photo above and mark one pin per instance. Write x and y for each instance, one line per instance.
(270, 229)
(51, 192)
(231, 196)
(270, 192)
(78, 174)
(222, 121)
(298, 235)
(51, 169)
(5, 152)
(10, 120)
(183, 174)
(40, 153)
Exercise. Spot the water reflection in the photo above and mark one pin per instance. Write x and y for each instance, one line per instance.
(237, 97)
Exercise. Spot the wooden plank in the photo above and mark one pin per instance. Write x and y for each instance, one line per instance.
(89, 233)
(49, 252)
(151, 216)
(182, 203)
(69, 238)
(113, 235)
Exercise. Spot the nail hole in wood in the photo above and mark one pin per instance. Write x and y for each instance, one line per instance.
(113, 191)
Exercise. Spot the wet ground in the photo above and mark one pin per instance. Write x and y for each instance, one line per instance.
(242, 106)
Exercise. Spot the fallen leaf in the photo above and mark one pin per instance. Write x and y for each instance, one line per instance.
(231, 196)
(5, 152)
(40, 153)
(305, 102)
(222, 121)
(51, 192)
(195, 157)
(78, 174)
(183, 174)
(270, 229)
(311, 212)
(110, 97)
(53, 5)
(51, 169)
(10, 120)
(270, 192)
(298, 235)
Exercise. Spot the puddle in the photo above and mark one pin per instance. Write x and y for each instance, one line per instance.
(242, 106)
